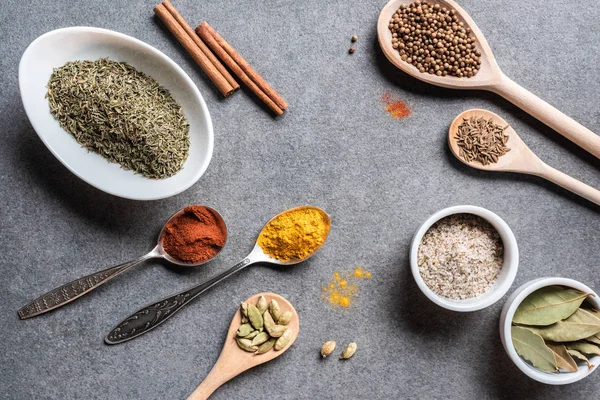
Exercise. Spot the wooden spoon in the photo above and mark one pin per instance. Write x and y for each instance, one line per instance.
(489, 77)
(520, 158)
(234, 360)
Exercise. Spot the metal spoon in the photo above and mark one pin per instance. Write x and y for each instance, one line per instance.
(489, 77)
(156, 313)
(520, 158)
(77, 288)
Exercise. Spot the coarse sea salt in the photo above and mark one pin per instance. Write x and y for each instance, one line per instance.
(460, 256)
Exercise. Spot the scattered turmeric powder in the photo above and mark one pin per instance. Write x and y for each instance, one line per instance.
(343, 287)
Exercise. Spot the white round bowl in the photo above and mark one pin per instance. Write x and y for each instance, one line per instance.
(53, 50)
(505, 277)
(506, 318)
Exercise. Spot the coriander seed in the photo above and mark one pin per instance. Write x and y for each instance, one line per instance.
(354, 38)
(351, 50)
(434, 40)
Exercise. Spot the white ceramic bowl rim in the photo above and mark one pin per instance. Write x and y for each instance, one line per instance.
(130, 187)
(505, 278)
(505, 331)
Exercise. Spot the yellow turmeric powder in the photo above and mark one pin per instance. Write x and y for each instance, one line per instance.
(295, 234)
(342, 287)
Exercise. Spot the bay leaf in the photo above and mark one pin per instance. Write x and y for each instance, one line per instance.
(563, 359)
(548, 305)
(584, 347)
(580, 325)
(594, 339)
(532, 348)
(580, 356)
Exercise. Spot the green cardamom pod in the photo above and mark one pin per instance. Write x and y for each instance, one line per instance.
(244, 312)
(255, 317)
(328, 348)
(260, 339)
(268, 320)
(266, 346)
(261, 304)
(252, 334)
(275, 310)
(244, 330)
(348, 351)
(283, 340)
(285, 318)
(277, 330)
(246, 345)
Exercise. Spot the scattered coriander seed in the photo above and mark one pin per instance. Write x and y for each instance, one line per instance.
(354, 38)
(434, 40)
(351, 50)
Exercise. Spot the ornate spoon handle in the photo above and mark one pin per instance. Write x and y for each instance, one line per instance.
(155, 314)
(75, 289)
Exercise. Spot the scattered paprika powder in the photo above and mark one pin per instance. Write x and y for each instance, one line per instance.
(195, 235)
(395, 107)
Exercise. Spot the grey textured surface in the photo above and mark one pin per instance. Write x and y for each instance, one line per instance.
(379, 178)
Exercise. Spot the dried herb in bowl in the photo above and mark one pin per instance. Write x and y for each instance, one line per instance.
(554, 324)
(122, 114)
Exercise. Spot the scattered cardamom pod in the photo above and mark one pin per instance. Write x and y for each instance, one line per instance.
(327, 348)
(246, 345)
(244, 330)
(260, 339)
(285, 318)
(275, 310)
(348, 351)
(261, 304)
(283, 340)
(244, 312)
(266, 346)
(252, 334)
(255, 316)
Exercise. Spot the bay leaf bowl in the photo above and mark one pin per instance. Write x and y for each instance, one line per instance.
(53, 50)
(506, 318)
(505, 278)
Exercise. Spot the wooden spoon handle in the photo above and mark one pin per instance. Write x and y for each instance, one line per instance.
(547, 114)
(207, 387)
(569, 183)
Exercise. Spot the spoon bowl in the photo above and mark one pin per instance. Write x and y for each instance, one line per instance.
(489, 77)
(160, 251)
(73, 290)
(233, 360)
(488, 73)
(519, 159)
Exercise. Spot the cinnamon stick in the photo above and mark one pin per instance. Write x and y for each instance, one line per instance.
(241, 68)
(192, 48)
(209, 54)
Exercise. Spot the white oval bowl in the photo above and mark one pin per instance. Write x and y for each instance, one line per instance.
(505, 277)
(506, 318)
(53, 50)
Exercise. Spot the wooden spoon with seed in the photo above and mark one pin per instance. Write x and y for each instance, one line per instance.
(520, 158)
(233, 360)
(489, 77)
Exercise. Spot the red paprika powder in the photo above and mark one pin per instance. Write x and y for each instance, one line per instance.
(195, 235)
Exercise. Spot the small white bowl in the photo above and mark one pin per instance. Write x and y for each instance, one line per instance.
(506, 318)
(53, 50)
(505, 277)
